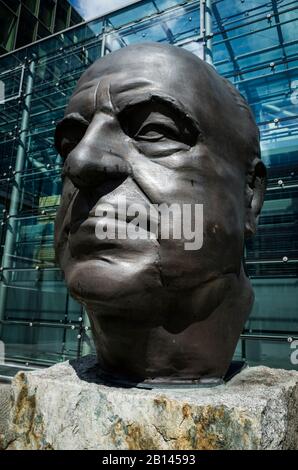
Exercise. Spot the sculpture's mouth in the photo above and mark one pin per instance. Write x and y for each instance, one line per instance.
(83, 240)
(84, 237)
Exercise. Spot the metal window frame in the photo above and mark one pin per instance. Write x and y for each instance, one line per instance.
(18, 96)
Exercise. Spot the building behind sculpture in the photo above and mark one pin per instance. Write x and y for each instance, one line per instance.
(254, 45)
(25, 21)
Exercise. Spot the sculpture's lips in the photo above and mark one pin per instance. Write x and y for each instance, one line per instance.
(83, 240)
(109, 215)
(92, 219)
(83, 236)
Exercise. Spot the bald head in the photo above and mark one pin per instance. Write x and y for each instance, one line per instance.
(177, 75)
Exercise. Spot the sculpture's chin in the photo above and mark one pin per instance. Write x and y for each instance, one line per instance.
(132, 290)
(107, 280)
(144, 327)
(172, 339)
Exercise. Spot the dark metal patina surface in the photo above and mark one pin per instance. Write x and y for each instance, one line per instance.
(156, 124)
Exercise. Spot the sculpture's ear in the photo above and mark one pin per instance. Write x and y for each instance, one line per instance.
(256, 183)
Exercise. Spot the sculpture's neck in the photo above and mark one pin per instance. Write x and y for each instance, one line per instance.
(187, 340)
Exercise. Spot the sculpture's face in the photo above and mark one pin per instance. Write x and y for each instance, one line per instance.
(157, 125)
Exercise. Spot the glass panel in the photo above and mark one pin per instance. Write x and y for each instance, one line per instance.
(39, 343)
(75, 17)
(271, 353)
(42, 323)
(12, 4)
(61, 16)
(170, 27)
(26, 28)
(7, 159)
(5, 191)
(40, 192)
(273, 309)
(7, 27)
(32, 5)
(33, 240)
(46, 11)
(42, 32)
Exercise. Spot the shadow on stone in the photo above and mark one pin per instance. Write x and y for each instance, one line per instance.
(88, 370)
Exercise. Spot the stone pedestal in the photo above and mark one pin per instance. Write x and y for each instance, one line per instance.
(64, 407)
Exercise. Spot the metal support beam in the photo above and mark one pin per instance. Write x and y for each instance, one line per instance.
(206, 28)
(103, 38)
(16, 187)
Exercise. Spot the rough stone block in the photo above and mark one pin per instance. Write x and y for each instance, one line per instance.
(64, 407)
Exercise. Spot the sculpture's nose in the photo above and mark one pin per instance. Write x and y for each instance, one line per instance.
(99, 156)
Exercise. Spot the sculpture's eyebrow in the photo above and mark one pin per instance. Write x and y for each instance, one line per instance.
(67, 122)
(172, 104)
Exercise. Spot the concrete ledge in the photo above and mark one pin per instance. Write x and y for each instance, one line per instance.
(64, 408)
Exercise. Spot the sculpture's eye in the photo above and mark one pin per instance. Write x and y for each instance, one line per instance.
(158, 121)
(154, 132)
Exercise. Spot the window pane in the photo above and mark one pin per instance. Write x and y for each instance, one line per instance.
(7, 27)
(26, 29)
(61, 16)
(32, 5)
(46, 10)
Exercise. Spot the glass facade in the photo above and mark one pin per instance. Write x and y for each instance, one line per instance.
(254, 45)
(25, 21)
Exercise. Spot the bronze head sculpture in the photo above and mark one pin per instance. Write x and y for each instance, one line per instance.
(157, 125)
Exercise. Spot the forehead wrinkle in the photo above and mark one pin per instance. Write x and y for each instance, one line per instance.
(84, 85)
(95, 96)
(122, 84)
(109, 86)
(81, 102)
(103, 91)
